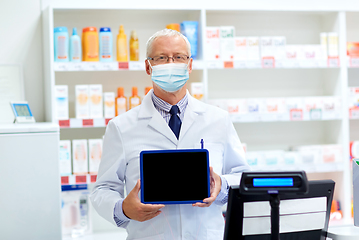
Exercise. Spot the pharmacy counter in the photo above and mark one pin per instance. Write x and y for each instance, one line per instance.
(346, 232)
(30, 204)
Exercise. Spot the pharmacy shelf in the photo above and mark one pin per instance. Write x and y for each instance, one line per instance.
(83, 123)
(108, 66)
(308, 168)
(78, 179)
(235, 118)
(271, 63)
(293, 116)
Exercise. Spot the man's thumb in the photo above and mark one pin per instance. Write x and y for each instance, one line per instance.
(138, 186)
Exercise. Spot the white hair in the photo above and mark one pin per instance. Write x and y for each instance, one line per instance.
(166, 33)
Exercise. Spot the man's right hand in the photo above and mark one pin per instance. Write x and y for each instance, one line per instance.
(135, 210)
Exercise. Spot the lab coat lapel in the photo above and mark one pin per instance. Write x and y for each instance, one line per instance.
(193, 110)
(156, 121)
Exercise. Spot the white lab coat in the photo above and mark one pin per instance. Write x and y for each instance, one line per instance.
(143, 128)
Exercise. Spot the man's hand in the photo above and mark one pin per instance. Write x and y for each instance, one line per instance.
(135, 210)
(216, 184)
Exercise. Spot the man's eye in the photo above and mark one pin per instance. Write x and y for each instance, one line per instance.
(161, 57)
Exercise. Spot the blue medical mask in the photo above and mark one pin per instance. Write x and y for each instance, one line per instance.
(171, 76)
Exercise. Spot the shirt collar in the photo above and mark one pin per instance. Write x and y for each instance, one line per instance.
(165, 106)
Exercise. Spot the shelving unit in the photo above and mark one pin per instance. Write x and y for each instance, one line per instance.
(243, 80)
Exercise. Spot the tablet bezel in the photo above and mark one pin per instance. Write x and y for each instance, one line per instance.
(173, 152)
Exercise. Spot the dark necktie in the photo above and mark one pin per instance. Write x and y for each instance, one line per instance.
(175, 121)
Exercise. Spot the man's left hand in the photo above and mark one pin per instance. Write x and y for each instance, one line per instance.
(216, 184)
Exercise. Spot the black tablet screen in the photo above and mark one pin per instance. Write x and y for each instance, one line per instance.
(174, 176)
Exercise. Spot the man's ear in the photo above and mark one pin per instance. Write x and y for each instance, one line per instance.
(190, 65)
(148, 67)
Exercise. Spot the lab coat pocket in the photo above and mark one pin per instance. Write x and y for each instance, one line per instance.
(156, 237)
(214, 234)
(216, 151)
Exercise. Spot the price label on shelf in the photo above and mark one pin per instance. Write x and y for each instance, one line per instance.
(354, 113)
(81, 179)
(239, 64)
(65, 180)
(315, 114)
(91, 66)
(108, 66)
(87, 122)
(64, 123)
(333, 61)
(107, 120)
(253, 64)
(268, 62)
(123, 65)
(296, 114)
(61, 66)
(93, 178)
(354, 62)
(76, 66)
(215, 64)
(137, 65)
(228, 64)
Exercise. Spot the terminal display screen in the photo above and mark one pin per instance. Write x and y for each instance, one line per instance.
(272, 182)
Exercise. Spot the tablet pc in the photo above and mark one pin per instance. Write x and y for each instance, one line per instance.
(174, 176)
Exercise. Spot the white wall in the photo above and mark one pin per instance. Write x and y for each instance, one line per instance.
(21, 43)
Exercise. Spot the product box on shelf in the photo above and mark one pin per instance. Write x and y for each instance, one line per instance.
(354, 150)
(82, 101)
(279, 43)
(197, 90)
(253, 50)
(240, 48)
(313, 108)
(319, 154)
(65, 157)
(275, 109)
(255, 159)
(355, 164)
(95, 154)
(353, 102)
(213, 44)
(353, 49)
(61, 102)
(190, 30)
(75, 213)
(311, 154)
(274, 158)
(333, 44)
(79, 156)
(227, 43)
(331, 108)
(96, 101)
(324, 43)
(292, 158)
(294, 108)
(109, 104)
(332, 153)
(256, 107)
(266, 47)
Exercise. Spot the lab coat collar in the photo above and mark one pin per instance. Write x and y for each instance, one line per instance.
(148, 110)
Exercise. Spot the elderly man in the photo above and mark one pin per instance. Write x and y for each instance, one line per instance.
(168, 118)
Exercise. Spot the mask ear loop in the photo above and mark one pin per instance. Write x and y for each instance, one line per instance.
(150, 65)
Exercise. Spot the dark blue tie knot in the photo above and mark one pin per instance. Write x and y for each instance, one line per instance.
(174, 110)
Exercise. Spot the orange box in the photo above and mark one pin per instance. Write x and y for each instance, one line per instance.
(353, 49)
